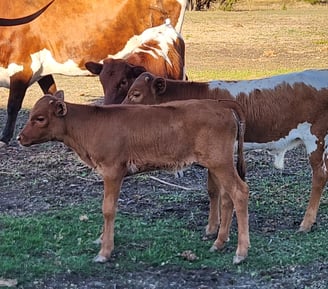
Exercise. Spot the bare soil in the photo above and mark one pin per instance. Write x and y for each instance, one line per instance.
(49, 176)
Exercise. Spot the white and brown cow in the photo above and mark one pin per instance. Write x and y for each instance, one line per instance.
(67, 35)
(159, 50)
(282, 112)
(118, 140)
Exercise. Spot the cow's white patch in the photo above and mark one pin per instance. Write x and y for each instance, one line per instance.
(164, 35)
(43, 63)
(297, 136)
(6, 73)
(315, 78)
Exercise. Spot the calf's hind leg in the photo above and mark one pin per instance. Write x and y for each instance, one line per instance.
(234, 194)
(214, 214)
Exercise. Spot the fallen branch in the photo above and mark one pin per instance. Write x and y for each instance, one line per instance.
(172, 185)
(8, 282)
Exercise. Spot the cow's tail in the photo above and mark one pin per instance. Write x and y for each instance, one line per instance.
(241, 123)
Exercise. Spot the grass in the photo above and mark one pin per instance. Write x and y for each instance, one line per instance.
(59, 242)
(206, 75)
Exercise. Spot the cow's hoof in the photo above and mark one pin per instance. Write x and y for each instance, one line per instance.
(238, 259)
(100, 259)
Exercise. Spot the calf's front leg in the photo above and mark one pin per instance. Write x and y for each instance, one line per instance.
(112, 188)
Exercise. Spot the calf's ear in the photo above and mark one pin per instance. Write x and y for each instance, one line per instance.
(94, 67)
(159, 86)
(59, 94)
(60, 108)
(137, 70)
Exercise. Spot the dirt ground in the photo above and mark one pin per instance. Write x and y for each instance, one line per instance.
(253, 40)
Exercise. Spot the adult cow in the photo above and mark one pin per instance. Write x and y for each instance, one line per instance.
(119, 140)
(282, 112)
(25, 19)
(160, 50)
(67, 35)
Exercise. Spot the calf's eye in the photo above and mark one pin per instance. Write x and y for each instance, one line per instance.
(124, 82)
(40, 119)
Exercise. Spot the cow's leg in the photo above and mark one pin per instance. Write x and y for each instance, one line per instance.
(234, 194)
(214, 214)
(17, 90)
(319, 164)
(47, 84)
(111, 193)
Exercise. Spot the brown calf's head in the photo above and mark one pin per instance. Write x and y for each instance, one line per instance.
(116, 77)
(145, 89)
(45, 120)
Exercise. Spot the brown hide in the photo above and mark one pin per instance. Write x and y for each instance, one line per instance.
(121, 140)
(282, 112)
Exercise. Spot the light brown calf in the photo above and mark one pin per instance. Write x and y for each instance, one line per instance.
(121, 140)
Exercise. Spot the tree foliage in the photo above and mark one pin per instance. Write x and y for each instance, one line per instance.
(199, 5)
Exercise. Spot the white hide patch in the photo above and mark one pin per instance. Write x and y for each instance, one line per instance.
(164, 34)
(315, 78)
(297, 136)
(43, 63)
(6, 73)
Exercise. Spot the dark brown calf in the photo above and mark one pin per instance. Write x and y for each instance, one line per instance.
(160, 50)
(121, 140)
(282, 112)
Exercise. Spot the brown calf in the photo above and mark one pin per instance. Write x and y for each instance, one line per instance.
(159, 50)
(282, 112)
(121, 140)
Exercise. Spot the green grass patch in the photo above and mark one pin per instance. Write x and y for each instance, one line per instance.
(59, 242)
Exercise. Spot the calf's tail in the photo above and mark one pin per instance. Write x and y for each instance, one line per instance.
(241, 124)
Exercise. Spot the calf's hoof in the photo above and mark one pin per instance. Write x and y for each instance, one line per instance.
(303, 229)
(211, 230)
(218, 245)
(238, 259)
(98, 241)
(2, 144)
(215, 248)
(100, 259)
